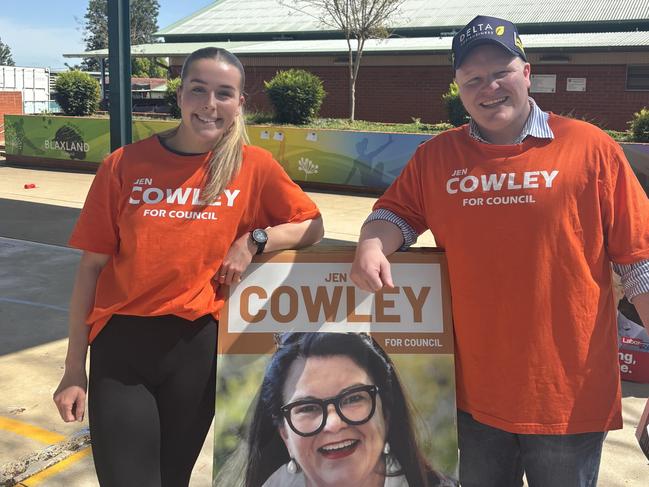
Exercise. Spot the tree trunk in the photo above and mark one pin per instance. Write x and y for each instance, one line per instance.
(352, 83)
(352, 101)
(360, 44)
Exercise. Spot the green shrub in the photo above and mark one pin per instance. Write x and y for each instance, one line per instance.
(258, 118)
(457, 115)
(619, 136)
(584, 117)
(296, 96)
(172, 98)
(640, 126)
(441, 126)
(77, 93)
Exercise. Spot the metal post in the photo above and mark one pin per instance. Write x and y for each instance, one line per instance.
(119, 61)
(102, 69)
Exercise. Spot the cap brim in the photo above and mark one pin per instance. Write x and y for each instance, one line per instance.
(457, 60)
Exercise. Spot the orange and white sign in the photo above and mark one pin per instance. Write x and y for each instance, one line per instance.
(311, 291)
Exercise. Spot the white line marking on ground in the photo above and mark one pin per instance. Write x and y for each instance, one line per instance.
(14, 242)
(31, 303)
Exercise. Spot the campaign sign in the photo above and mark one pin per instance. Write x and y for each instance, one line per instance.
(633, 343)
(319, 382)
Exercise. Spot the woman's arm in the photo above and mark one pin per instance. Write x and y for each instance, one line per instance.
(70, 396)
(280, 237)
(293, 235)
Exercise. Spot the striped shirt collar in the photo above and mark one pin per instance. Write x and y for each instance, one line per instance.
(536, 126)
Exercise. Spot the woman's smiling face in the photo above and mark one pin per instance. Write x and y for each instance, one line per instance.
(340, 454)
(209, 99)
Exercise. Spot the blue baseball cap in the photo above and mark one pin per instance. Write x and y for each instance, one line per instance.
(486, 30)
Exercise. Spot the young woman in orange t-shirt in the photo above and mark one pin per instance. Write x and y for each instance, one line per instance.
(167, 221)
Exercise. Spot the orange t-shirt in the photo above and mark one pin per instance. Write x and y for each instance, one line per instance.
(144, 210)
(529, 231)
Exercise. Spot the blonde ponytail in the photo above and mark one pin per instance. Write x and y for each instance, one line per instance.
(226, 159)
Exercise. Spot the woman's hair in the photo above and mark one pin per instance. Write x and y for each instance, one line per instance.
(266, 449)
(227, 155)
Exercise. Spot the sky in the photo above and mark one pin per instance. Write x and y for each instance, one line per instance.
(38, 32)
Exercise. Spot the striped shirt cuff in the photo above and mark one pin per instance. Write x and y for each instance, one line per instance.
(409, 234)
(635, 277)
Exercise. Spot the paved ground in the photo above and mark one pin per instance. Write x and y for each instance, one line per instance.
(36, 273)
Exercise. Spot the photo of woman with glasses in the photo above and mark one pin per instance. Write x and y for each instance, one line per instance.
(332, 412)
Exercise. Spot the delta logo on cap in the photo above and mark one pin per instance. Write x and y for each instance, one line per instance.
(486, 30)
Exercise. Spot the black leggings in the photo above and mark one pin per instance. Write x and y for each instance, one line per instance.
(151, 399)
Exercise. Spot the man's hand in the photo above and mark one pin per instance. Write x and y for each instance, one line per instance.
(371, 269)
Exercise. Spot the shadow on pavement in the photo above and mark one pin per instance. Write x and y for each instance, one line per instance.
(634, 389)
(35, 286)
(36, 222)
(35, 279)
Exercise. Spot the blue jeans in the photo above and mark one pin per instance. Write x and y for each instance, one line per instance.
(490, 457)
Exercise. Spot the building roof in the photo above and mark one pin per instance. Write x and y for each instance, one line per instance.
(585, 41)
(275, 17)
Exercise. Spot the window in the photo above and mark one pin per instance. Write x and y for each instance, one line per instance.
(637, 77)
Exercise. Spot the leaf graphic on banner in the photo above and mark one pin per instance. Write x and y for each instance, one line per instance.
(307, 166)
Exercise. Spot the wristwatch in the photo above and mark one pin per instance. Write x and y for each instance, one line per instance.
(259, 238)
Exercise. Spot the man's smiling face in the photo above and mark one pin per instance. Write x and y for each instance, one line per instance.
(493, 87)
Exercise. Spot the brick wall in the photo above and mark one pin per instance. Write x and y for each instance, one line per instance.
(605, 101)
(387, 94)
(11, 103)
(400, 93)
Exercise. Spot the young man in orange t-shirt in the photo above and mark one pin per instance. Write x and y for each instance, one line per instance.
(531, 209)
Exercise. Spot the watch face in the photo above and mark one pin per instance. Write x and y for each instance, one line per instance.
(259, 235)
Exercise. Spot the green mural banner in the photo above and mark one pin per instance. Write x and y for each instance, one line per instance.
(368, 161)
(68, 138)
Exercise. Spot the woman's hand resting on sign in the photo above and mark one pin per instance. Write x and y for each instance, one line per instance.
(236, 261)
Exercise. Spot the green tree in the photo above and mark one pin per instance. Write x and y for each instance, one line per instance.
(95, 31)
(77, 93)
(143, 67)
(359, 20)
(171, 97)
(5, 55)
(144, 23)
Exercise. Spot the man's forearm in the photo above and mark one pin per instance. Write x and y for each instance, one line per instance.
(386, 235)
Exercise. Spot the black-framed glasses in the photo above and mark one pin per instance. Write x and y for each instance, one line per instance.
(355, 406)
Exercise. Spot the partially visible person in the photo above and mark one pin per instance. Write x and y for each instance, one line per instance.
(531, 209)
(332, 413)
(628, 328)
(167, 221)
